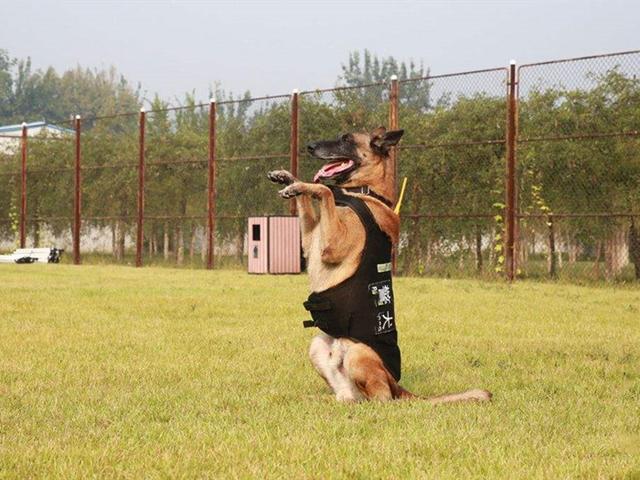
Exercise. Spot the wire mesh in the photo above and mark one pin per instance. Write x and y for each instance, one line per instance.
(109, 147)
(49, 190)
(448, 246)
(580, 248)
(176, 163)
(9, 194)
(583, 97)
(253, 137)
(454, 109)
(453, 155)
(579, 161)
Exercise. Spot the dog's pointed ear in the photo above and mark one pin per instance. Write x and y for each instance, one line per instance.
(383, 140)
(377, 138)
(392, 137)
(377, 133)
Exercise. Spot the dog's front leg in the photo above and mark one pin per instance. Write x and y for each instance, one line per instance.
(306, 212)
(335, 241)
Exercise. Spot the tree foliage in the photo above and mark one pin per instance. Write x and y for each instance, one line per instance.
(47, 95)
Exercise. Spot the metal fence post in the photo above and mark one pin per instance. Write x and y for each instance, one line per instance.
(140, 232)
(510, 194)
(393, 153)
(211, 186)
(23, 187)
(77, 197)
(293, 166)
(393, 125)
(552, 248)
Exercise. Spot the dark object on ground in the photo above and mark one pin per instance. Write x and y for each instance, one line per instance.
(33, 255)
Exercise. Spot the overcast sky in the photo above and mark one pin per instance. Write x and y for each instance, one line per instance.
(271, 47)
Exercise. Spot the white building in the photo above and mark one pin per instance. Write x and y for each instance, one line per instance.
(10, 134)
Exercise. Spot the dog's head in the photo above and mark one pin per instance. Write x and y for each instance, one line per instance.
(356, 159)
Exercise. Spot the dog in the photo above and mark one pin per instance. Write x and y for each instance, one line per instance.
(347, 243)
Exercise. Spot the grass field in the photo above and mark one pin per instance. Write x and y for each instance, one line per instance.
(117, 372)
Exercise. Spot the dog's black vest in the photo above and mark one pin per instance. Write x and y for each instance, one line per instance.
(361, 307)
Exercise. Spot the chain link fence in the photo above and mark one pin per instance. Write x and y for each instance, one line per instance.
(48, 177)
(253, 138)
(108, 170)
(453, 155)
(175, 185)
(579, 168)
(10, 178)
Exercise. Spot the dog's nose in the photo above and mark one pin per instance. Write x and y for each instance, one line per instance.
(311, 147)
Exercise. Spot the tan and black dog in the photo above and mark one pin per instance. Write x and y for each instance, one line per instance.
(347, 243)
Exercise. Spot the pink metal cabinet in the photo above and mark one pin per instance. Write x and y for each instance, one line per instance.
(274, 244)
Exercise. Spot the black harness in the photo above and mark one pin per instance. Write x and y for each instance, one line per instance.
(367, 191)
(361, 307)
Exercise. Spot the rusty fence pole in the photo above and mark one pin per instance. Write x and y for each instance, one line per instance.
(23, 187)
(293, 148)
(552, 262)
(393, 154)
(393, 125)
(140, 231)
(211, 186)
(77, 200)
(510, 194)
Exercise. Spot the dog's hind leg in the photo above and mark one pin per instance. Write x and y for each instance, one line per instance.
(327, 356)
(366, 370)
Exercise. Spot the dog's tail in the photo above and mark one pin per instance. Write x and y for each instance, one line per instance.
(474, 395)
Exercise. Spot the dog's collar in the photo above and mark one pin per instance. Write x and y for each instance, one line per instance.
(367, 191)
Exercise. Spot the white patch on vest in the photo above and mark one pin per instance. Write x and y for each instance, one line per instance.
(384, 267)
(382, 293)
(385, 323)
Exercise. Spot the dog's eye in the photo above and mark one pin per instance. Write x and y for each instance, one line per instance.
(346, 138)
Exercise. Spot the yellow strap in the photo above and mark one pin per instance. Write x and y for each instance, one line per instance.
(404, 185)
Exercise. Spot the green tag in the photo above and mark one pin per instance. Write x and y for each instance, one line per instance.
(384, 267)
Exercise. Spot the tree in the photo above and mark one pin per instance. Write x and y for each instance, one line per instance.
(369, 68)
(45, 95)
(6, 84)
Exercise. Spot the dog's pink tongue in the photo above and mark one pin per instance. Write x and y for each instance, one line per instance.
(318, 175)
(330, 169)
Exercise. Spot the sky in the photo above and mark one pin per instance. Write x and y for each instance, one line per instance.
(271, 47)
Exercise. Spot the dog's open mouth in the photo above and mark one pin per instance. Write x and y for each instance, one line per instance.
(334, 168)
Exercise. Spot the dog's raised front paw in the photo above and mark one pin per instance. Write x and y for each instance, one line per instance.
(292, 190)
(281, 176)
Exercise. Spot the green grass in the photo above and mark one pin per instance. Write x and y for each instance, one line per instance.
(115, 372)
